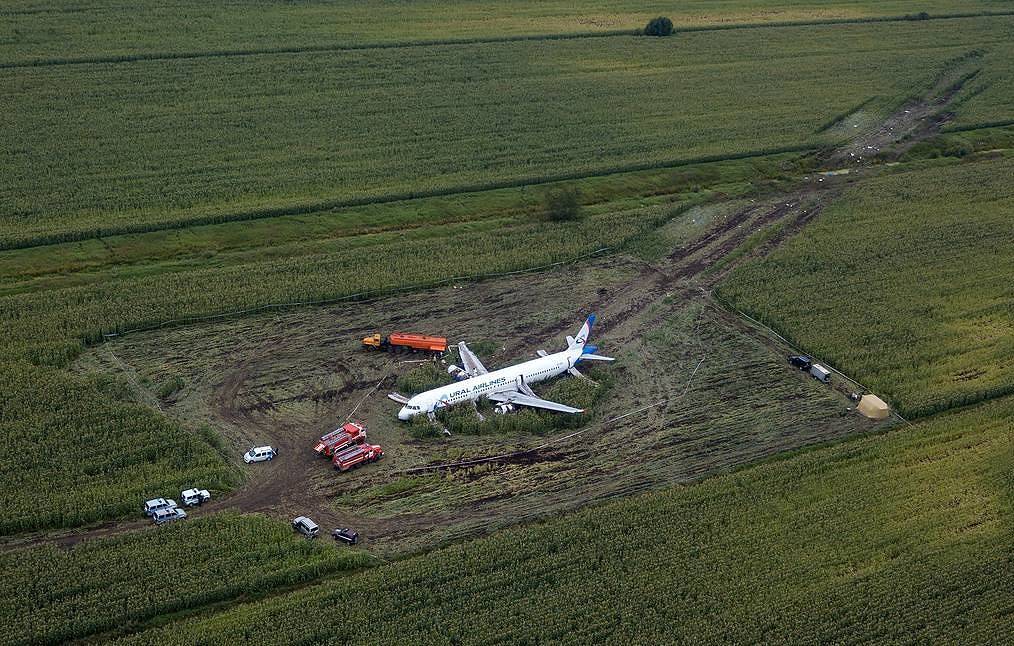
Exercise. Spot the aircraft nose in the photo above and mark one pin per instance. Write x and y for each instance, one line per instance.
(403, 414)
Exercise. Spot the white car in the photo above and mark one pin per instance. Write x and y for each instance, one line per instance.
(193, 497)
(163, 516)
(158, 504)
(305, 526)
(259, 454)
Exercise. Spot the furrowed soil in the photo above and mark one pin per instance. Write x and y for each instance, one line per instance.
(707, 392)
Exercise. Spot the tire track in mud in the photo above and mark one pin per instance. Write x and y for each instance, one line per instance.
(624, 309)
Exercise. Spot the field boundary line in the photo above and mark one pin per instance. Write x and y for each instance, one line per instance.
(322, 206)
(363, 295)
(451, 42)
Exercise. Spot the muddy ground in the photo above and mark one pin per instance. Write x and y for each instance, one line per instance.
(284, 379)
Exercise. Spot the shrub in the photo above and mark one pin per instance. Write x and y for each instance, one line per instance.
(562, 204)
(660, 26)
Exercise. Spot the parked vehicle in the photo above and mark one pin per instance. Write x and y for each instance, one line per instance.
(406, 342)
(350, 433)
(357, 455)
(163, 516)
(820, 373)
(347, 535)
(193, 497)
(801, 361)
(259, 454)
(158, 504)
(305, 526)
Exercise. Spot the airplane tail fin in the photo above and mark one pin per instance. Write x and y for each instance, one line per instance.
(580, 342)
(582, 335)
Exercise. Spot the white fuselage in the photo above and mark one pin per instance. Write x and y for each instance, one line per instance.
(510, 378)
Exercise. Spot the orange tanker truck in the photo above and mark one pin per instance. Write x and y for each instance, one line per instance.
(407, 342)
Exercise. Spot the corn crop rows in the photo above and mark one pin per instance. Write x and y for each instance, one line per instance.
(134, 453)
(77, 451)
(905, 283)
(167, 142)
(859, 541)
(147, 29)
(52, 595)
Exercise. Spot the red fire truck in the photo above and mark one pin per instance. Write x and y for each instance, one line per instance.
(356, 455)
(341, 438)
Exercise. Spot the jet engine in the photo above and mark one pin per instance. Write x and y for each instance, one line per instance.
(504, 408)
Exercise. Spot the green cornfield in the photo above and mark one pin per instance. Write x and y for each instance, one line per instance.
(50, 594)
(106, 148)
(40, 32)
(897, 538)
(905, 283)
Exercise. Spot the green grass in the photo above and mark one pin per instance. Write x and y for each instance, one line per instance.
(39, 31)
(900, 537)
(51, 594)
(97, 149)
(903, 283)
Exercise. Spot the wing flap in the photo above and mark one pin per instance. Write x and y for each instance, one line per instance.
(515, 397)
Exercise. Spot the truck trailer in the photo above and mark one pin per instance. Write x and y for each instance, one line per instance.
(356, 455)
(405, 341)
(341, 438)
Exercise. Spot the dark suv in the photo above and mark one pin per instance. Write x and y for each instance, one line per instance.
(801, 361)
(350, 536)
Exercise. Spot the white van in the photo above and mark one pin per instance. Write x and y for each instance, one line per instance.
(259, 454)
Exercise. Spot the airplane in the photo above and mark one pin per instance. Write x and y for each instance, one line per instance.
(509, 386)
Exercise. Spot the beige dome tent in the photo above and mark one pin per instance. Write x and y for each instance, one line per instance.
(873, 407)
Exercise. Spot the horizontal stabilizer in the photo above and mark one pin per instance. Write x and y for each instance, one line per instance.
(542, 353)
(398, 397)
(596, 357)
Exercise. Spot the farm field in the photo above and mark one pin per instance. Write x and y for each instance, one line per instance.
(898, 537)
(41, 32)
(102, 149)
(207, 206)
(106, 585)
(904, 283)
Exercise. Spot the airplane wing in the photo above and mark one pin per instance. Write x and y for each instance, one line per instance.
(470, 362)
(515, 397)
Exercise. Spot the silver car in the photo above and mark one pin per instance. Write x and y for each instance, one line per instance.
(305, 526)
(163, 516)
(158, 504)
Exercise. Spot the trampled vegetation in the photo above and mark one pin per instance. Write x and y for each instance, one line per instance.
(896, 537)
(163, 143)
(51, 595)
(904, 283)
